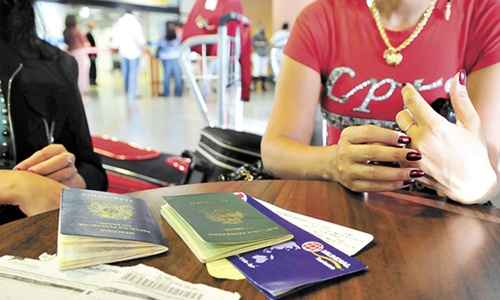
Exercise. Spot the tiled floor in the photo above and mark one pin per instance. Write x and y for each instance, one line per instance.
(167, 124)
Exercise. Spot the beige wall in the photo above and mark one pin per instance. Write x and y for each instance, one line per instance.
(286, 11)
(260, 13)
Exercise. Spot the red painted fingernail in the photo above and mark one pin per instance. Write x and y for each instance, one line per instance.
(414, 156)
(404, 140)
(462, 77)
(417, 174)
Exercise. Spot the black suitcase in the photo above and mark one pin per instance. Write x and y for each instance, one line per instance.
(222, 151)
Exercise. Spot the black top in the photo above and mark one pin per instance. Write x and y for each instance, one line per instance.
(92, 43)
(91, 39)
(46, 92)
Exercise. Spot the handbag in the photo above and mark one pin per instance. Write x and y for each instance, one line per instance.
(221, 152)
(247, 173)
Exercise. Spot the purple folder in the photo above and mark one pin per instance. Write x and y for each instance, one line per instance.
(285, 268)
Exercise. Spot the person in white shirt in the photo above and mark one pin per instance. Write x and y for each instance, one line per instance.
(281, 36)
(278, 42)
(128, 38)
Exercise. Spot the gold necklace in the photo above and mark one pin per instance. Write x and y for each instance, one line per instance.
(392, 55)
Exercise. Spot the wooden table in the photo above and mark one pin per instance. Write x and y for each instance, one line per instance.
(423, 248)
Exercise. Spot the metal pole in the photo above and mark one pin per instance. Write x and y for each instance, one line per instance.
(223, 55)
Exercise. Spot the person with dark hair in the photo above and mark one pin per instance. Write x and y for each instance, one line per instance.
(92, 56)
(281, 36)
(77, 47)
(169, 54)
(45, 143)
(260, 58)
(278, 42)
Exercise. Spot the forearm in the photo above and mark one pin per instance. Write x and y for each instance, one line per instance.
(31, 192)
(286, 158)
(35, 194)
(484, 93)
(494, 154)
(7, 187)
(494, 194)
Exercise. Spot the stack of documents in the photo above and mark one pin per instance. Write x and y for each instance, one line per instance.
(41, 279)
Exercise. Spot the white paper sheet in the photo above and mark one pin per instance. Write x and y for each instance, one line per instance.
(347, 240)
(40, 279)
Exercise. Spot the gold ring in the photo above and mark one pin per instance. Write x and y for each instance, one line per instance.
(409, 126)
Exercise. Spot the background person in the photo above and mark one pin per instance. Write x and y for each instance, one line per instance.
(169, 53)
(358, 75)
(278, 42)
(260, 58)
(77, 47)
(128, 38)
(92, 56)
(45, 141)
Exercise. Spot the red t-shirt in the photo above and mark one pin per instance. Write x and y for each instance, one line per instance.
(339, 40)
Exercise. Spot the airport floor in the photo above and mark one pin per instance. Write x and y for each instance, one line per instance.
(168, 124)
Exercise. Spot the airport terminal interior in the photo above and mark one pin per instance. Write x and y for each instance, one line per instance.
(169, 124)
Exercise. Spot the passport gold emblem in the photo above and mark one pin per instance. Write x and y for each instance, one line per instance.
(111, 210)
(225, 216)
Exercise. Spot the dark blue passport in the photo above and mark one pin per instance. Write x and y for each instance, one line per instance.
(108, 226)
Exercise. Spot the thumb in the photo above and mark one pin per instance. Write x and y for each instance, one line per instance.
(461, 102)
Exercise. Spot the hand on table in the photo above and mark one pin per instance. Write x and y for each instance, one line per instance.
(56, 163)
(359, 146)
(33, 193)
(454, 155)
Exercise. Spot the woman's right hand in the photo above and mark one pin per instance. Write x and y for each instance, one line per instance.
(362, 150)
(56, 163)
(34, 194)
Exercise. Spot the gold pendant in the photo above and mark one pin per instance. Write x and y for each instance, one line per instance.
(392, 57)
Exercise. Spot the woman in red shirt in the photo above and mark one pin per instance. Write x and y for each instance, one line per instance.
(354, 57)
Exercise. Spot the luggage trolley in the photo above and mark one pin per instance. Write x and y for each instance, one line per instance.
(202, 70)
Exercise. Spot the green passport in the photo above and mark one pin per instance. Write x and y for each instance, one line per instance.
(218, 225)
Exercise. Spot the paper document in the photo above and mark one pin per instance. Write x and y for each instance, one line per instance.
(41, 279)
(283, 269)
(347, 240)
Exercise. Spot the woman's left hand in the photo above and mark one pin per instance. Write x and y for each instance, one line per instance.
(56, 163)
(454, 155)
